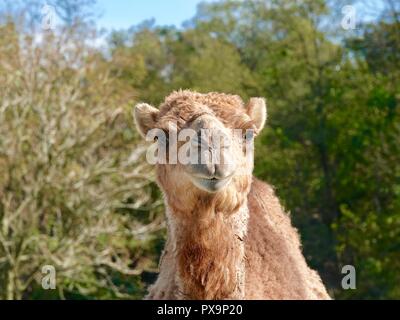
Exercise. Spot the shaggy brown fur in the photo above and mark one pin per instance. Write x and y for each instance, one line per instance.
(237, 243)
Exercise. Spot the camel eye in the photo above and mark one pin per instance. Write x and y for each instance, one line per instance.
(162, 139)
(248, 135)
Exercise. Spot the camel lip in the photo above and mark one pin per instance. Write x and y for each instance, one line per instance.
(210, 185)
(210, 178)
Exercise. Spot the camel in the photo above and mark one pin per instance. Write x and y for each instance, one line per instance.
(228, 235)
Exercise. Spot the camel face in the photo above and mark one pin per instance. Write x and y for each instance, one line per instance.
(217, 154)
(208, 140)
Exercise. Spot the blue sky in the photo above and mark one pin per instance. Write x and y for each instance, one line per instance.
(122, 14)
(118, 14)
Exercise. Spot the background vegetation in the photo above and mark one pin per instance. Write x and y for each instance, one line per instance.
(76, 193)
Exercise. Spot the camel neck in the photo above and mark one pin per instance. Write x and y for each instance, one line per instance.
(209, 250)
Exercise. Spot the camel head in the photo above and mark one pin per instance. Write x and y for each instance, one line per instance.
(210, 136)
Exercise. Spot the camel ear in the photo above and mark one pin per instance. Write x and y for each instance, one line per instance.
(257, 110)
(145, 118)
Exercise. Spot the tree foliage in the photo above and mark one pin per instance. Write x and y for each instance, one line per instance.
(331, 147)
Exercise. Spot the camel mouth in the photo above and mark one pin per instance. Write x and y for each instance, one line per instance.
(210, 185)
